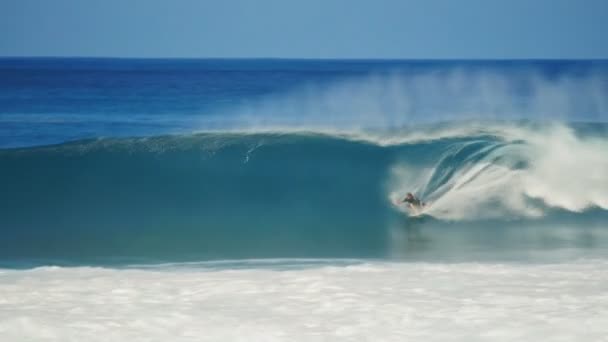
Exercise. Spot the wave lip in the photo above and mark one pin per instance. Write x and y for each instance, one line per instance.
(523, 172)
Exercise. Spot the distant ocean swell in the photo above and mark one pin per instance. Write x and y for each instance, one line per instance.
(230, 195)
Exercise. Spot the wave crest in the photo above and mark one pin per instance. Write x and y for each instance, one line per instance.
(522, 172)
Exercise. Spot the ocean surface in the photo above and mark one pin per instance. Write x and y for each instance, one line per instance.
(259, 200)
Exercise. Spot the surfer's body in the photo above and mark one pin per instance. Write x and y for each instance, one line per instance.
(413, 202)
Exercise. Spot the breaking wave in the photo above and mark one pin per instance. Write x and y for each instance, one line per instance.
(226, 195)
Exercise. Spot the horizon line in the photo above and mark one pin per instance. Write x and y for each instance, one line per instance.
(313, 58)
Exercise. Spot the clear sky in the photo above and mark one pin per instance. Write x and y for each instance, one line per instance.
(306, 28)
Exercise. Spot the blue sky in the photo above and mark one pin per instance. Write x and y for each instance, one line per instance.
(306, 28)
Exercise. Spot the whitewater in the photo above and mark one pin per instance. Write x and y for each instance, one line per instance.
(362, 301)
(259, 200)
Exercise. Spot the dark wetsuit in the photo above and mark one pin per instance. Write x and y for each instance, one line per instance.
(413, 201)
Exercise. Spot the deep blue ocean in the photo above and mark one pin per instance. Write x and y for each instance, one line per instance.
(123, 161)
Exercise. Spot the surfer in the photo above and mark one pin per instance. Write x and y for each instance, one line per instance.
(413, 201)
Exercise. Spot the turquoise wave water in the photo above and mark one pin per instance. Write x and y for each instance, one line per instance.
(202, 160)
(496, 190)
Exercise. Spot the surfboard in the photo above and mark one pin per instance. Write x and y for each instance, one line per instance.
(415, 211)
(411, 211)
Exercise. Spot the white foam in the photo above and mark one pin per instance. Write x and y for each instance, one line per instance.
(563, 171)
(568, 171)
(367, 302)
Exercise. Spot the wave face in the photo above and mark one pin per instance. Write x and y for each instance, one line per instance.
(112, 161)
(307, 195)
